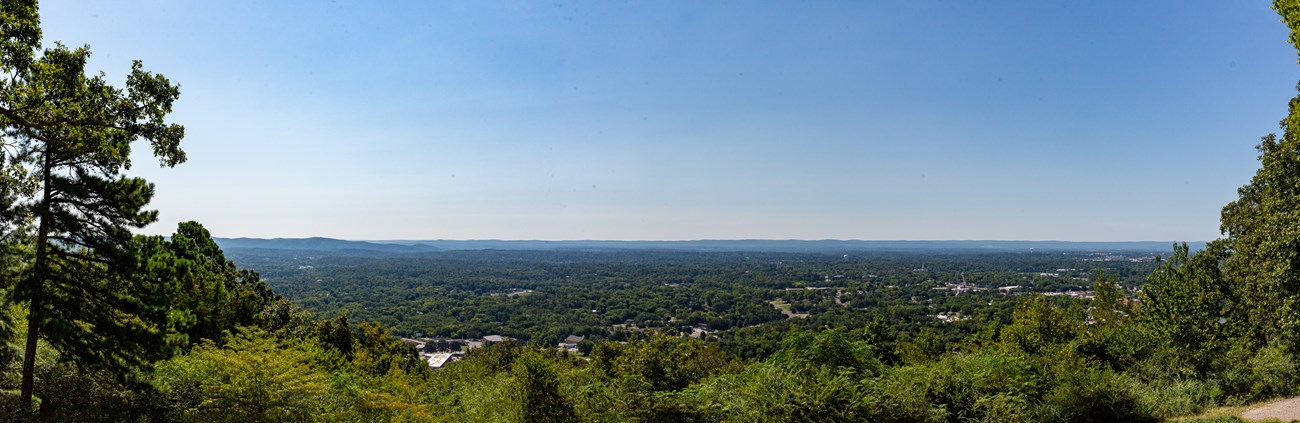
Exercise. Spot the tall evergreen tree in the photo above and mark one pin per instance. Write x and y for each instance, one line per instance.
(72, 133)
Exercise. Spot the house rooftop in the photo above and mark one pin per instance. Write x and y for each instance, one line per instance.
(437, 360)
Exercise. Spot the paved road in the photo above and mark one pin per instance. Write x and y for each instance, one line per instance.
(1285, 410)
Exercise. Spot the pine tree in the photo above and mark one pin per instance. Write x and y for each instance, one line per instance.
(207, 294)
(72, 133)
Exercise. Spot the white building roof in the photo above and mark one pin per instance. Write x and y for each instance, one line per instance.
(437, 360)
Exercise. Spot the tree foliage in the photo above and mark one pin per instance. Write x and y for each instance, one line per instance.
(205, 293)
(536, 391)
(251, 378)
(71, 134)
(1188, 305)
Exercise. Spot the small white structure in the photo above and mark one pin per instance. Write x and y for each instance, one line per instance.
(437, 360)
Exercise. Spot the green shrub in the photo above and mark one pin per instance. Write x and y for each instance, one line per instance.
(989, 384)
(1270, 372)
(1082, 391)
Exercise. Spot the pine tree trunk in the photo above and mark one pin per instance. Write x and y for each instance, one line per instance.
(38, 283)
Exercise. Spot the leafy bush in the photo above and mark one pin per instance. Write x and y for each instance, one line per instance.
(1082, 391)
(1267, 373)
(988, 385)
(252, 378)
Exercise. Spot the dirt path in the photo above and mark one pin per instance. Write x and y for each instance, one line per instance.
(1285, 410)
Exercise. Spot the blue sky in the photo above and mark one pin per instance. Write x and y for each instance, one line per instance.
(1089, 121)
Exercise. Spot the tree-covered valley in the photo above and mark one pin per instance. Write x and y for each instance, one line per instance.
(101, 323)
(543, 296)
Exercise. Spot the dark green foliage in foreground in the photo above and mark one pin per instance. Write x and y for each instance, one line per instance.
(813, 376)
(207, 293)
(534, 387)
(1189, 306)
(264, 374)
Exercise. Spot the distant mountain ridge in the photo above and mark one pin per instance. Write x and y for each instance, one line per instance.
(318, 244)
(757, 245)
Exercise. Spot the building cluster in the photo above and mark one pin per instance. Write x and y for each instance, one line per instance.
(958, 287)
(440, 351)
(1084, 295)
(1120, 257)
(512, 293)
(951, 316)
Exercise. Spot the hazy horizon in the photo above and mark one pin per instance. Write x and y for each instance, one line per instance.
(399, 240)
